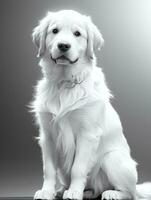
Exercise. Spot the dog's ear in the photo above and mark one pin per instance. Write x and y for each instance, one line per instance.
(40, 32)
(94, 38)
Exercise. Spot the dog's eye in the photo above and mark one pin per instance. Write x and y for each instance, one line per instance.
(55, 30)
(77, 33)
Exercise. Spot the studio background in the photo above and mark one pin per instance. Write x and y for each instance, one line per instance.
(126, 62)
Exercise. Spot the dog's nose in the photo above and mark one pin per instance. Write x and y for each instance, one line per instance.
(64, 47)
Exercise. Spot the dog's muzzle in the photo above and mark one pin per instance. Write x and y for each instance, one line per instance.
(63, 60)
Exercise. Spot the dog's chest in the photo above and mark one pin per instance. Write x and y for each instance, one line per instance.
(59, 101)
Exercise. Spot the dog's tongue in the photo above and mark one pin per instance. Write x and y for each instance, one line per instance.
(62, 61)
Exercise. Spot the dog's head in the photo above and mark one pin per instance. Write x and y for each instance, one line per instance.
(67, 37)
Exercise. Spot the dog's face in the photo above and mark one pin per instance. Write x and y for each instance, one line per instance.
(67, 37)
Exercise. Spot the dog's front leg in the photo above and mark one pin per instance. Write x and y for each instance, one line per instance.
(49, 164)
(85, 159)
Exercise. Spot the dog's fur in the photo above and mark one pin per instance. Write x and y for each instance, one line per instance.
(81, 137)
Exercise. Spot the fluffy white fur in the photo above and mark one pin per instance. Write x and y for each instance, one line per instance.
(80, 133)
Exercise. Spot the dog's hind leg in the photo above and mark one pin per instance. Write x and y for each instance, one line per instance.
(121, 172)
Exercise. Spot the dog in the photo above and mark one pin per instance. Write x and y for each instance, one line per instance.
(84, 150)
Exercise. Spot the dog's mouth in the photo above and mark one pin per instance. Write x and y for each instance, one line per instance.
(63, 60)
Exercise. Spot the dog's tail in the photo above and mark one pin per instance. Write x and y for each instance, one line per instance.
(143, 191)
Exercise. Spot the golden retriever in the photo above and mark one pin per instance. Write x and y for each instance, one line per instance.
(84, 150)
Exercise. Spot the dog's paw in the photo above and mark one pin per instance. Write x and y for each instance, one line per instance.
(115, 195)
(44, 195)
(73, 194)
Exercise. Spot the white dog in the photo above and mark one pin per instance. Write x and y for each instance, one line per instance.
(81, 137)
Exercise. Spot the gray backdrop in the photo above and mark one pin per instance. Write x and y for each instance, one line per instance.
(125, 59)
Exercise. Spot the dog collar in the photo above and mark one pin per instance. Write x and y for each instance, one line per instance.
(69, 83)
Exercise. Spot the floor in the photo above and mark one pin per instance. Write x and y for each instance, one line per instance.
(27, 198)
